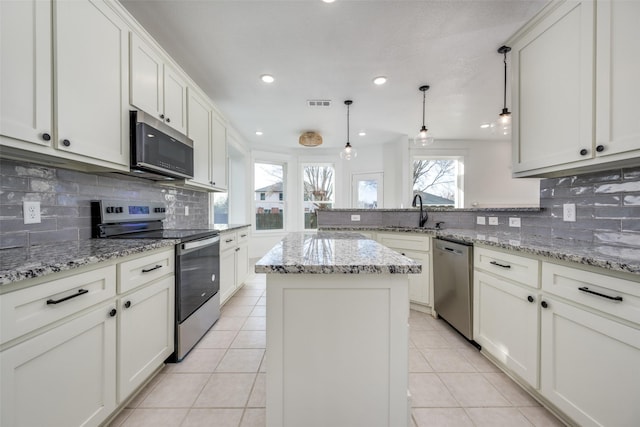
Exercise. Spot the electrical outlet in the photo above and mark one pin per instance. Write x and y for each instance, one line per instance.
(569, 212)
(355, 217)
(493, 220)
(31, 212)
(514, 222)
(480, 220)
(186, 211)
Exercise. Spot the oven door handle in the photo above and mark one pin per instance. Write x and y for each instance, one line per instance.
(200, 243)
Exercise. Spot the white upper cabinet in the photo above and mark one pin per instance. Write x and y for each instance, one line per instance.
(617, 77)
(156, 87)
(199, 130)
(574, 87)
(25, 71)
(91, 80)
(553, 90)
(219, 146)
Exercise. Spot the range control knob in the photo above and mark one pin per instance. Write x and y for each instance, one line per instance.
(109, 209)
(119, 209)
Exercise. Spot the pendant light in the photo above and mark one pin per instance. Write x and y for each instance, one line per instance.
(348, 152)
(422, 139)
(505, 116)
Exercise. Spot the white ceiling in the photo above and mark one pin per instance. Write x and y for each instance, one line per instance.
(333, 51)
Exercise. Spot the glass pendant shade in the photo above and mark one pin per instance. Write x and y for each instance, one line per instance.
(348, 152)
(504, 122)
(423, 139)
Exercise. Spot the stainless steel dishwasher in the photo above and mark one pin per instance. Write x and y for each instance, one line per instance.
(453, 284)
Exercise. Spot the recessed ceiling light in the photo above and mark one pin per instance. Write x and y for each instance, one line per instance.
(362, 133)
(259, 132)
(267, 78)
(485, 125)
(328, 1)
(380, 80)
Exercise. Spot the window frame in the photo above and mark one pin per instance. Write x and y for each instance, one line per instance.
(459, 196)
(283, 201)
(332, 202)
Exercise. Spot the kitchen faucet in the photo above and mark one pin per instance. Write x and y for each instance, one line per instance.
(423, 215)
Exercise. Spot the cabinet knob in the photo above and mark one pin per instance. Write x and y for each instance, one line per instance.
(46, 136)
(168, 119)
(600, 148)
(584, 152)
(544, 304)
(530, 299)
(113, 312)
(162, 116)
(127, 304)
(66, 142)
(403, 254)
(213, 183)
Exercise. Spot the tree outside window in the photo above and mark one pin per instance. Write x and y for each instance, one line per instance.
(436, 180)
(318, 183)
(269, 196)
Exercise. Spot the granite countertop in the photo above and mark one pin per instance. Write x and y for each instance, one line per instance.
(39, 260)
(227, 227)
(330, 252)
(611, 257)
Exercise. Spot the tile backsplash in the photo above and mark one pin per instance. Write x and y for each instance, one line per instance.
(607, 211)
(65, 197)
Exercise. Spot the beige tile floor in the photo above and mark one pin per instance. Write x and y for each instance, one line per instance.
(221, 383)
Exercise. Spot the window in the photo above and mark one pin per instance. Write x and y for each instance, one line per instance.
(318, 184)
(269, 196)
(220, 208)
(438, 180)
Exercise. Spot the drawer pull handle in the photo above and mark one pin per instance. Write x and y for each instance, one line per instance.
(58, 301)
(151, 269)
(500, 265)
(228, 240)
(589, 291)
(243, 235)
(530, 298)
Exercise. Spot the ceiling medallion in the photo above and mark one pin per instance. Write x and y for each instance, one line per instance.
(310, 139)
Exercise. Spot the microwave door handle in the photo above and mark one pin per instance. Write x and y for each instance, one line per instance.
(199, 243)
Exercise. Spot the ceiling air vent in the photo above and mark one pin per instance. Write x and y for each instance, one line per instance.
(318, 103)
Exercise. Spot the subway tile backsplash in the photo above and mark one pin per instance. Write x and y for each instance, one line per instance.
(607, 210)
(65, 197)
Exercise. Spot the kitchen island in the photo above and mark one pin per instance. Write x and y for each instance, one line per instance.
(337, 334)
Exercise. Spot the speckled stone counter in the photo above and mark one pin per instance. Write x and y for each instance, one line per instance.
(330, 252)
(612, 257)
(227, 227)
(39, 260)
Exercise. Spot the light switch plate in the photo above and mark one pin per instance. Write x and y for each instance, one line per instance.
(31, 212)
(514, 222)
(569, 212)
(480, 220)
(355, 217)
(493, 220)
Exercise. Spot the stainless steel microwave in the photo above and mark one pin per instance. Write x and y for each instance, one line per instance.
(158, 152)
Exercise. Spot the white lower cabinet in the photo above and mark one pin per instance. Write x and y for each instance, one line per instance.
(234, 262)
(63, 377)
(72, 350)
(145, 333)
(416, 246)
(506, 318)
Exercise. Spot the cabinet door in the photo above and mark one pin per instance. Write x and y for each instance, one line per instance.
(63, 377)
(146, 78)
(552, 69)
(199, 130)
(242, 263)
(145, 332)
(617, 84)
(25, 70)
(419, 284)
(92, 80)
(227, 274)
(505, 324)
(175, 100)
(589, 366)
(219, 165)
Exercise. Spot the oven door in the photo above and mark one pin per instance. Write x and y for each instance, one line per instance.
(197, 275)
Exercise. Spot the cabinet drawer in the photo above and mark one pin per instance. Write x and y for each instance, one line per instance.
(414, 241)
(512, 267)
(140, 271)
(228, 240)
(31, 308)
(243, 236)
(611, 295)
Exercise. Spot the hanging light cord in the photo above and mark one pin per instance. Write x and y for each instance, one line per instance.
(348, 123)
(505, 79)
(424, 100)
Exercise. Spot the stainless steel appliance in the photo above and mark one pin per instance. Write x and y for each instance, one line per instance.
(158, 152)
(453, 284)
(197, 263)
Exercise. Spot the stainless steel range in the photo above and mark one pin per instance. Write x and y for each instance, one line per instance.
(197, 263)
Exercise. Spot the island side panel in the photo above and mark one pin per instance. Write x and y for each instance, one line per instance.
(337, 350)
